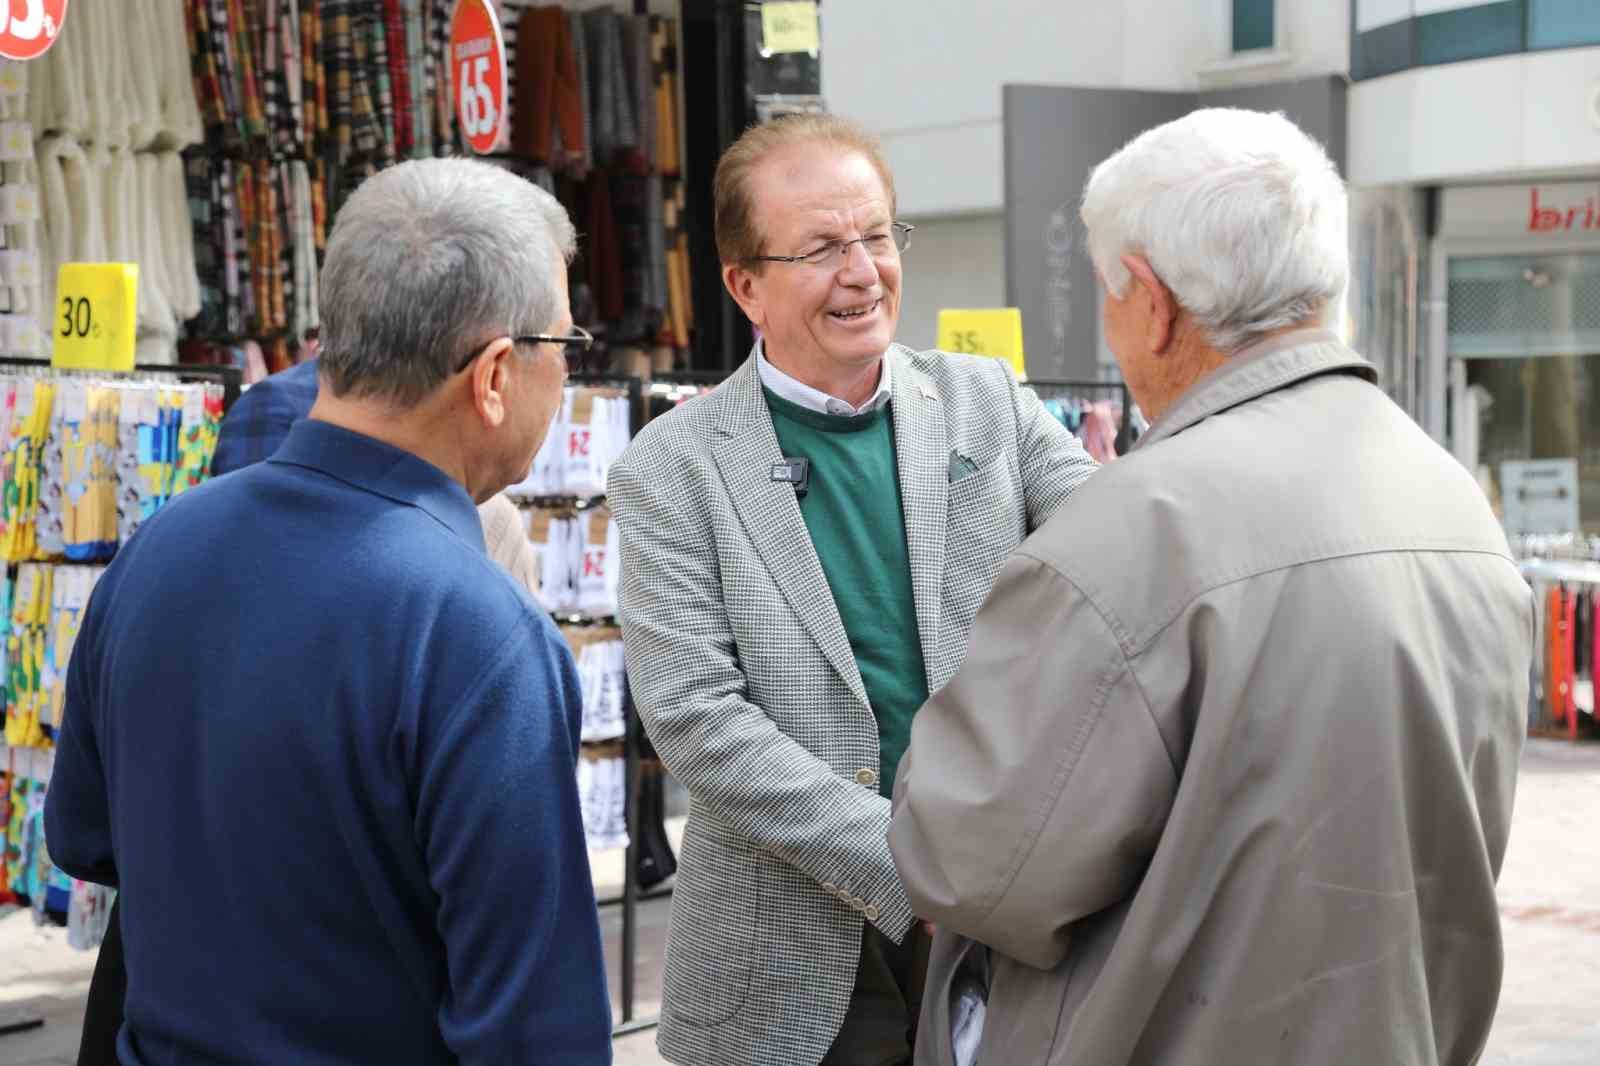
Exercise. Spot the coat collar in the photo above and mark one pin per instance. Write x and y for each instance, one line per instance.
(1262, 368)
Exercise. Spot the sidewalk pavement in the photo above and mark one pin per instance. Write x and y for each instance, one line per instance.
(1549, 895)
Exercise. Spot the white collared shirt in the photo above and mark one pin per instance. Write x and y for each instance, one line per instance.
(799, 392)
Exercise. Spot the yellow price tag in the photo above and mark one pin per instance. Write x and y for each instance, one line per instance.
(991, 331)
(790, 27)
(96, 316)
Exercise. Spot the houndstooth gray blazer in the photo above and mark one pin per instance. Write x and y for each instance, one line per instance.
(747, 685)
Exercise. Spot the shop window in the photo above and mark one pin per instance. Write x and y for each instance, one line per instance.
(1563, 23)
(1529, 330)
(1470, 32)
(1253, 27)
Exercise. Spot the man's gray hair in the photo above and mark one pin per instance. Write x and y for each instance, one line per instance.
(1239, 213)
(428, 259)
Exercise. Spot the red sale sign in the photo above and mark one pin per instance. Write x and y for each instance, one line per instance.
(30, 34)
(478, 67)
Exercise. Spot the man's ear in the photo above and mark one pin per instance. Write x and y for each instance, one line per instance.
(488, 378)
(1160, 307)
(741, 284)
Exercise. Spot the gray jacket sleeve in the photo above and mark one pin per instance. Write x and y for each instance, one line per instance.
(1036, 785)
(683, 666)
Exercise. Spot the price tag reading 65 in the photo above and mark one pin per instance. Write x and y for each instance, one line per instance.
(96, 316)
(478, 58)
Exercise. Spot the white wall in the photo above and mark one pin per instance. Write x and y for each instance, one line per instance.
(954, 261)
(1510, 115)
(925, 75)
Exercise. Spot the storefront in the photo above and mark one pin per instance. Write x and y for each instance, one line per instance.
(1515, 347)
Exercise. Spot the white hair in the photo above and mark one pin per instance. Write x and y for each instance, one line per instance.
(1239, 213)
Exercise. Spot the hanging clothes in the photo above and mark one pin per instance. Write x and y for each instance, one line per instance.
(548, 117)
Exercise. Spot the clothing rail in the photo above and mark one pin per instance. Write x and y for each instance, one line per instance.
(1054, 387)
(230, 377)
(1563, 571)
(631, 896)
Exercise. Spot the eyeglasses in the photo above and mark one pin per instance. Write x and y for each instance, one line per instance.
(834, 253)
(575, 348)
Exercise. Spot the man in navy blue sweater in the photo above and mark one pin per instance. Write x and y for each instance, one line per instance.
(354, 837)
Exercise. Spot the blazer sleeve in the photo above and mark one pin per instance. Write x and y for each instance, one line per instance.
(683, 666)
(1053, 462)
(1036, 786)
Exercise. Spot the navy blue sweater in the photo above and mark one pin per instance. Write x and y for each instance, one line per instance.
(326, 749)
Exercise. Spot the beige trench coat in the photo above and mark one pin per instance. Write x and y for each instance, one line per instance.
(1227, 774)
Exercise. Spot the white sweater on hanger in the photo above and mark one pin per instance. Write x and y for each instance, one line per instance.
(118, 199)
(119, 76)
(105, 76)
(70, 228)
(180, 124)
(177, 228)
(156, 316)
(136, 28)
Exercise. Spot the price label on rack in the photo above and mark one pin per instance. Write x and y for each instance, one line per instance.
(96, 316)
(29, 27)
(790, 27)
(991, 331)
(478, 67)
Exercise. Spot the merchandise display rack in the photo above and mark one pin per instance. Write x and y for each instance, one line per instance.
(1051, 389)
(232, 380)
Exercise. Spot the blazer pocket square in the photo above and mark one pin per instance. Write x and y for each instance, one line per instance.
(961, 467)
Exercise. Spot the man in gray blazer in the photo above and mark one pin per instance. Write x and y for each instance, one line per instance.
(1228, 775)
(803, 552)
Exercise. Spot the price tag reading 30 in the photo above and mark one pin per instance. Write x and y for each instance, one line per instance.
(96, 316)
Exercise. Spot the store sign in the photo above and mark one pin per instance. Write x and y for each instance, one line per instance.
(1540, 495)
(96, 316)
(1563, 215)
(478, 66)
(30, 33)
(1544, 210)
(991, 331)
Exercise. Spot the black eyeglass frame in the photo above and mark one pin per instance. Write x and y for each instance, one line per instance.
(901, 235)
(581, 341)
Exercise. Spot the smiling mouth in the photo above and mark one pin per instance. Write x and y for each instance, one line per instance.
(852, 315)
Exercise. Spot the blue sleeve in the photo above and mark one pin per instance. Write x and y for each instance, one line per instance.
(77, 816)
(500, 826)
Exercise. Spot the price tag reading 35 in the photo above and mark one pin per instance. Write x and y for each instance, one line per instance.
(991, 331)
(96, 316)
(478, 66)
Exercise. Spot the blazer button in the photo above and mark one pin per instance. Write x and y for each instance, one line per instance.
(830, 888)
(866, 776)
(871, 912)
(858, 904)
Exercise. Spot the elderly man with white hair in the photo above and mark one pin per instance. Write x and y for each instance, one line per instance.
(1228, 772)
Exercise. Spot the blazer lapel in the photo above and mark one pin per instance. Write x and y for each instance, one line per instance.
(923, 455)
(771, 516)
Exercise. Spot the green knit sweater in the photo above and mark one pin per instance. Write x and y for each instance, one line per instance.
(852, 510)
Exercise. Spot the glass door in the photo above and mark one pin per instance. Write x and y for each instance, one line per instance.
(1523, 341)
